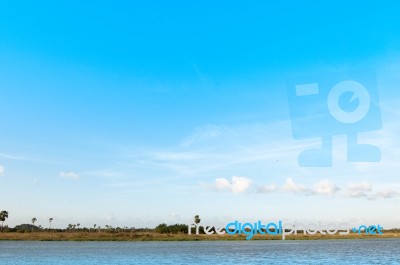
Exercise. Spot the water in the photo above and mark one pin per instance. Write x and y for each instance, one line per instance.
(377, 251)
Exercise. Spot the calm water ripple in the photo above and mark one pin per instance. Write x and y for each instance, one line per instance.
(377, 251)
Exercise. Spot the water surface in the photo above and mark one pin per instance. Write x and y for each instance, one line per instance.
(376, 251)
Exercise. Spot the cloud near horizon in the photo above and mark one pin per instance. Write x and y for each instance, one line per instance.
(266, 188)
(291, 186)
(385, 194)
(361, 189)
(365, 190)
(236, 185)
(324, 187)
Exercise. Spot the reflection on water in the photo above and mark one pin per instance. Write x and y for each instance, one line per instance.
(377, 251)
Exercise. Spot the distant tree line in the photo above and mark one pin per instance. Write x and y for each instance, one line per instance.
(162, 228)
(171, 229)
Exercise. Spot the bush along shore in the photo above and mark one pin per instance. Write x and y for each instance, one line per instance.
(131, 234)
(154, 236)
(163, 232)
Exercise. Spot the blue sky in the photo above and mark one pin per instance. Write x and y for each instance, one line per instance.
(134, 113)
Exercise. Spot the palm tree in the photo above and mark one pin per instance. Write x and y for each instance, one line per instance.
(50, 219)
(33, 222)
(197, 219)
(3, 217)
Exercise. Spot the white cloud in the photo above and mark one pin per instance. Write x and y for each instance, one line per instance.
(69, 175)
(325, 187)
(266, 188)
(385, 194)
(236, 185)
(291, 186)
(1, 169)
(360, 189)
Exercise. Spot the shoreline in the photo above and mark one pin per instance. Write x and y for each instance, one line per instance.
(152, 236)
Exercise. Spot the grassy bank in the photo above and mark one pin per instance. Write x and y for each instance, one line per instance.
(152, 236)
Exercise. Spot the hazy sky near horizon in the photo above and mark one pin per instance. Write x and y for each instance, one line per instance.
(134, 113)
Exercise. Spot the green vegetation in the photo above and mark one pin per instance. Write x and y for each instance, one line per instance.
(3, 217)
(171, 229)
(163, 232)
(197, 219)
(114, 235)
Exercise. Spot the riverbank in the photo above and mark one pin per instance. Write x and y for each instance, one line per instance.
(152, 236)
